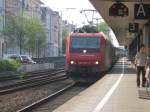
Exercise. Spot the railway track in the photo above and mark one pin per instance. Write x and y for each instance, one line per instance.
(46, 99)
(33, 81)
(58, 101)
(13, 76)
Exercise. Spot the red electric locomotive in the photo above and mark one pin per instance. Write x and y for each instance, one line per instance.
(88, 55)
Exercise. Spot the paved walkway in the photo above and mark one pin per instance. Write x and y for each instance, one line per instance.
(116, 92)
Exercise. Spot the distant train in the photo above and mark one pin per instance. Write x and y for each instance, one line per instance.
(88, 55)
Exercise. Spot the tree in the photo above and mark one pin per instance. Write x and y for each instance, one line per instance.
(103, 27)
(35, 36)
(26, 33)
(12, 31)
(65, 33)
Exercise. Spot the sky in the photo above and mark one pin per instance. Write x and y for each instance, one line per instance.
(70, 11)
(79, 4)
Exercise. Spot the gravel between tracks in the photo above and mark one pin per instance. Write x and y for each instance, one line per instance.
(17, 100)
(5, 83)
(61, 99)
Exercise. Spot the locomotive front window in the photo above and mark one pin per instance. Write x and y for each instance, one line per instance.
(85, 42)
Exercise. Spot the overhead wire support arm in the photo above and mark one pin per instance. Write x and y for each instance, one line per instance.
(88, 10)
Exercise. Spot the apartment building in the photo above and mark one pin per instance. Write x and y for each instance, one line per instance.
(50, 20)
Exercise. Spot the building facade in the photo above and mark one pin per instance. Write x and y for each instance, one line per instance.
(22, 8)
(1, 48)
(31, 8)
(35, 9)
(55, 25)
(45, 18)
(13, 7)
(68, 26)
(2, 14)
(50, 20)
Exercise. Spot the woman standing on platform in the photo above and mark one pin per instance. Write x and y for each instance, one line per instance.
(140, 62)
(147, 75)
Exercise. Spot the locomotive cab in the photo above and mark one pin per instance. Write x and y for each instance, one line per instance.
(86, 55)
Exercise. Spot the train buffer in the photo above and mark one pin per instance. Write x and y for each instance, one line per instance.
(115, 92)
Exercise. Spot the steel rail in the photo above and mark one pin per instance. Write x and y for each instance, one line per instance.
(46, 99)
(33, 83)
(34, 74)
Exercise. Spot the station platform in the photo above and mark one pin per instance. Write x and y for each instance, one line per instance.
(115, 92)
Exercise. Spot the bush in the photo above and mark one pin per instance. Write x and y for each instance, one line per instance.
(9, 65)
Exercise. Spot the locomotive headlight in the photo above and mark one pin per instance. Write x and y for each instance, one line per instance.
(96, 62)
(72, 62)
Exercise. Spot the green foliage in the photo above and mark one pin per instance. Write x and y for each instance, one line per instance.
(9, 65)
(63, 46)
(34, 32)
(64, 36)
(23, 33)
(103, 27)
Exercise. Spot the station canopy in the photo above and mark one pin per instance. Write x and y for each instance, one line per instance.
(126, 17)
